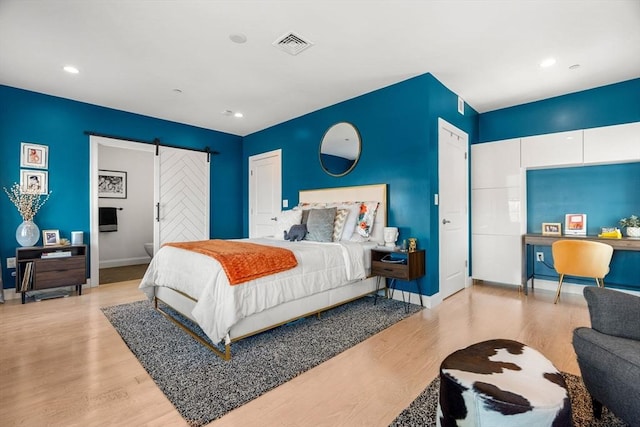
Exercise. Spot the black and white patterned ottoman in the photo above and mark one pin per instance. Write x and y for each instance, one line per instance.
(501, 383)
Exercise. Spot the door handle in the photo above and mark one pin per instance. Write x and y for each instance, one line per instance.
(275, 218)
(158, 212)
(445, 221)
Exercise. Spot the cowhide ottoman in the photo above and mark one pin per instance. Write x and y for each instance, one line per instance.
(501, 383)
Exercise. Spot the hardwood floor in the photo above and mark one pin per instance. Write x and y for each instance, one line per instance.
(62, 364)
(122, 274)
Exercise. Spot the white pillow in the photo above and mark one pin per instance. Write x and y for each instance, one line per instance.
(285, 220)
(352, 219)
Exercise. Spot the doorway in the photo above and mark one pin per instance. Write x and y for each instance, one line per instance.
(113, 252)
(453, 190)
(178, 192)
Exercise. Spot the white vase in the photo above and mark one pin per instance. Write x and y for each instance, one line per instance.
(27, 233)
(633, 231)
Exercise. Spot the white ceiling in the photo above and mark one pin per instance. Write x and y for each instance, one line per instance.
(133, 54)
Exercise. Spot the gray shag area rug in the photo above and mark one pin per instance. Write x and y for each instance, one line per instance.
(422, 411)
(203, 387)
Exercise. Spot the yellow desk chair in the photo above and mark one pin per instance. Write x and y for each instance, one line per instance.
(581, 258)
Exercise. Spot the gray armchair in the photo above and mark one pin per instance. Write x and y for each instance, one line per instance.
(609, 352)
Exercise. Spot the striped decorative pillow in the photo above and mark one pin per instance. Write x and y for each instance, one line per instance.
(339, 223)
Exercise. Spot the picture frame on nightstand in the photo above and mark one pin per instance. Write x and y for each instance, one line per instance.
(50, 237)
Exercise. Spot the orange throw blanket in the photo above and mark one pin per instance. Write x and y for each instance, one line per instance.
(243, 261)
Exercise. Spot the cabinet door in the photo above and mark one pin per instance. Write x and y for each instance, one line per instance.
(495, 164)
(612, 144)
(555, 149)
(497, 259)
(497, 211)
(52, 273)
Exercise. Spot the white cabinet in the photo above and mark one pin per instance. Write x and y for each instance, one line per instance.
(554, 149)
(498, 164)
(498, 188)
(612, 144)
(497, 211)
(497, 258)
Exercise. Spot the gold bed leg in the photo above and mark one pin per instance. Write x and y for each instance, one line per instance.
(226, 355)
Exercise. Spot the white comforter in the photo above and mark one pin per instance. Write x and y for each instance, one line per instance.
(321, 266)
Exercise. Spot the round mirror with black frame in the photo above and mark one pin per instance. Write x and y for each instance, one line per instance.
(340, 149)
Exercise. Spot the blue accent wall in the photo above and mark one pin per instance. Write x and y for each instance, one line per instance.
(398, 125)
(603, 106)
(605, 193)
(60, 124)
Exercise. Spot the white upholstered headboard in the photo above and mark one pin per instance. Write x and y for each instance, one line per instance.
(360, 193)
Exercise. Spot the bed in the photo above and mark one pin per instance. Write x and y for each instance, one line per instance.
(195, 285)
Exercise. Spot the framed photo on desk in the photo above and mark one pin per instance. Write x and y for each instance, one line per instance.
(551, 229)
(575, 224)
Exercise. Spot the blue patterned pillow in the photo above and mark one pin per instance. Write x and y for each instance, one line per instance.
(320, 224)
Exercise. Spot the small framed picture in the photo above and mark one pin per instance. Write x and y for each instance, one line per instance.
(50, 237)
(112, 184)
(575, 224)
(34, 155)
(551, 229)
(36, 181)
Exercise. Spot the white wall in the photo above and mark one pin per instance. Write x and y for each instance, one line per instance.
(135, 220)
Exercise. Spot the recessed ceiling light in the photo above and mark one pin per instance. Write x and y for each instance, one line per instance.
(226, 112)
(548, 62)
(71, 69)
(238, 38)
(238, 114)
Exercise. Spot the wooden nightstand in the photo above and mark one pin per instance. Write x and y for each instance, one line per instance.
(398, 265)
(45, 267)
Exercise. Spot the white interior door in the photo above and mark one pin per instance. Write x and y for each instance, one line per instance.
(453, 193)
(181, 196)
(265, 192)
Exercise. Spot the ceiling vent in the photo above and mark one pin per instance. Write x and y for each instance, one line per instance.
(292, 43)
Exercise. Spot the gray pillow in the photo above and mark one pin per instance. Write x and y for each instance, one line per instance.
(320, 224)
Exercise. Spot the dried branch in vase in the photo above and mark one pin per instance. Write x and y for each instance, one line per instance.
(28, 202)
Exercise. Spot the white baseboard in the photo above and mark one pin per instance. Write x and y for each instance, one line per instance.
(569, 288)
(124, 262)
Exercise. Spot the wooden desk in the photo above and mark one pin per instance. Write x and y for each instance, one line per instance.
(624, 244)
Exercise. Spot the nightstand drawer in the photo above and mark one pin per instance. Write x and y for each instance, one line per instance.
(390, 270)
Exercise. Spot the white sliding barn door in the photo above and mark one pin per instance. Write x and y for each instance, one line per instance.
(181, 196)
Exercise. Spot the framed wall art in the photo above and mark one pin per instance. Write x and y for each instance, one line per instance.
(112, 184)
(36, 181)
(34, 155)
(551, 229)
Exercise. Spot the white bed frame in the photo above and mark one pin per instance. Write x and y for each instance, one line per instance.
(310, 305)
